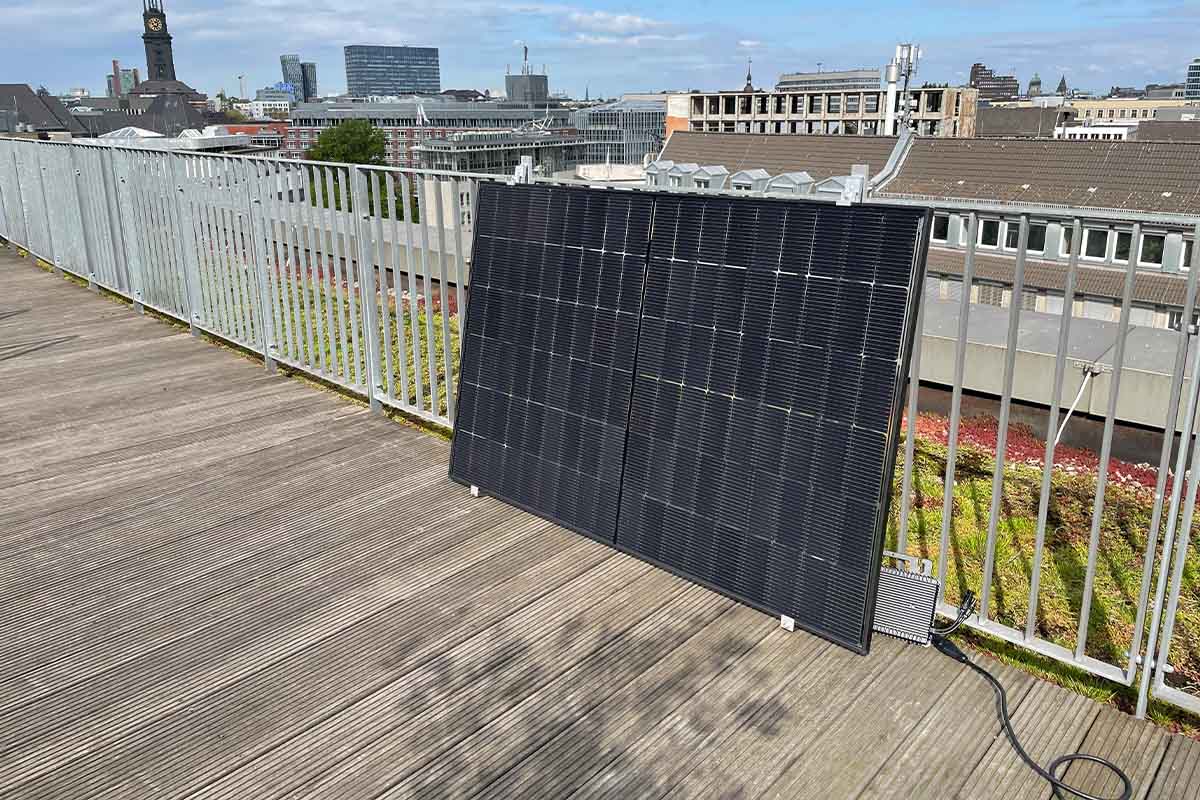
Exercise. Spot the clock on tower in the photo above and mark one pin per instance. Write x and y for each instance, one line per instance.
(160, 62)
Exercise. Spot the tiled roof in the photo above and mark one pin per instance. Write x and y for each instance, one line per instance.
(1024, 122)
(1154, 130)
(820, 156)
(43, 112)
(1157, 288)
(1142, 176)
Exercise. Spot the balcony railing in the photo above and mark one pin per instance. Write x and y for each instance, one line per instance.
(358, 276)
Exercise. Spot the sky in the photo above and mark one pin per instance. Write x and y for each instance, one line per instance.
(609, 48)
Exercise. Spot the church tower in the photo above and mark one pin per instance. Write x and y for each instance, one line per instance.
(160, 62)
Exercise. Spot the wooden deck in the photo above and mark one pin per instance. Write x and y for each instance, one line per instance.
(222, 584)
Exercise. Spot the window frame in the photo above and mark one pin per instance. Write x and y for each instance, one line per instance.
(933, 228)
(1162, 249)
(983, 223)
(1087, 235)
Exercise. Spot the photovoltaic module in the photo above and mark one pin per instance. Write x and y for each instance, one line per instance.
(710, 383)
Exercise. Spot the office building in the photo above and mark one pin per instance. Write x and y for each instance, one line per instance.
(1035, 86)
(127, 81)
(992, 86)
(1191, 88)
(500, 152)
(308, 81)
(293, 74)
(940, 111)
(376, 70)
(528, 87)
(407, 123)
(623, 132)
(851, 80)
(280, 92)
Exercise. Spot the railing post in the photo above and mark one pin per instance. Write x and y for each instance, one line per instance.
(366, 282)
(89, 255)
(191, 268)
(37, 154)
(256, 218)
(20, 199)
(112, 210)
(131, 249)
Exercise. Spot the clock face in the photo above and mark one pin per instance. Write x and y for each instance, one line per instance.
(155, 24)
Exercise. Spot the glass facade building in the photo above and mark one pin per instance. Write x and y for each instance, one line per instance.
(292, 74)
(376, 70)
(623, 132)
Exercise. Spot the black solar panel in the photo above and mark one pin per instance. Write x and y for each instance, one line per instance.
(766, 403)
(736, 421)
(548, 352)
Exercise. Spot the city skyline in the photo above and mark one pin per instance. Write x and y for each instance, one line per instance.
(607, 48)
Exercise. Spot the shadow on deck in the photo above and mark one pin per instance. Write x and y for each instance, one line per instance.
(219, 583)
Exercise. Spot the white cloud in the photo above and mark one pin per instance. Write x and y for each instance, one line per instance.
(603, 22)
(749, 43)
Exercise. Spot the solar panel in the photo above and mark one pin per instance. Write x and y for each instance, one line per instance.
(711, 383)
(548, 352)
(766, 403)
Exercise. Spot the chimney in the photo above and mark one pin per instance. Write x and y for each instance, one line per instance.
(116, 78)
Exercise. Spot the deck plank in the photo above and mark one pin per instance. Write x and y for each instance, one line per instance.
(219, 583)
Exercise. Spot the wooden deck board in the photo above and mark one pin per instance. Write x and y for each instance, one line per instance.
(216, 583)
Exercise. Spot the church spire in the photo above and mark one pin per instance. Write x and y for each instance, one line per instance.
(749, 79)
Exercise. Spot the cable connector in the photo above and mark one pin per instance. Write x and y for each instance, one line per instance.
(948, 648)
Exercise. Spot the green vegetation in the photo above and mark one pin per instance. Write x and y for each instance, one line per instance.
(354, 141)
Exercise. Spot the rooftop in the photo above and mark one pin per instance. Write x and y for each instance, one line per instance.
(229, 584)
(820, 156)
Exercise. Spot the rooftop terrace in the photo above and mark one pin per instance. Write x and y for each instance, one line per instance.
(222, 583)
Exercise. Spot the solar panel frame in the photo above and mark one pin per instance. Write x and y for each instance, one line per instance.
(650, 343)
(600, 280)
(747, 248)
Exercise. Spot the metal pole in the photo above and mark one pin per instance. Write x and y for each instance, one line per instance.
(89, 255)
(1060, 366)
(366, 280)
(1187, 335)
(1106, 444)
(910, 441)
(1010, 364)
(960, 363)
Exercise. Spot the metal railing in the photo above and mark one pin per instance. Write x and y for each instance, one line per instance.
(357, 275)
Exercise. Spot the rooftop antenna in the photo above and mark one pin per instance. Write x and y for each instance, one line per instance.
(525, 60)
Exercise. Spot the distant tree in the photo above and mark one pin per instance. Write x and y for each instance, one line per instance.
(354, 141)
(233, 115)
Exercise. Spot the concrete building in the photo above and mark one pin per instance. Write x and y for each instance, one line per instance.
(992, 86)
(1165, 91)
(392, 71)
(293, 75)
(279, 93)
(529, 86)
(623, 132)
(264, 109)
(851, 80)
(938, 111)
(500, 152)
(406, 123)
(1035, 86)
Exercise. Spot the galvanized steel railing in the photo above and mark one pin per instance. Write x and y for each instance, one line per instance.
(357, 275)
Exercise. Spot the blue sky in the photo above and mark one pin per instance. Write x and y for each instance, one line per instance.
(608, 47)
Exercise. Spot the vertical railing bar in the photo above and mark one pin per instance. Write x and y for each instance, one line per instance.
(411, 212)
(1106, 444)
(349, 228)
(248, 257)
(430, 358)
(304, 262)
(1010, 363)
(130, 237)
(331, 213)
(189, 261)
(245, 290)
(1164, 460)
(131, 180)
(440, 216)
(910, 440)
(960, 359)
(166, 271)
(380, 248)
(460, 264)
(327, 271)
(1060, 367)
(316, 272)
(278, 257)
(105, 258)
(1187, 338)
(13, 150)
(148, 192)
(112, 200)
(294, 289)
(398, 287)
(366, 280)
(168, 234)
(225, 246)
(207, 247)
(5, 202)
(51, 250)
(89, 254)
(266, 326)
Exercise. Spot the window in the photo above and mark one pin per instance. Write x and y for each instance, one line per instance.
(871, 104)
(1012, 234)
(833, 127)
(814, 104)
(834, 104)
(1095, 243)
(850, 127)
(675, 180)
(990, 295)
(1145, 113)
(852, 103)
(1186, 262)
(1152, 249)
(1088, 114)
(989, 232)
(933, 101)
(941, 227)
(1122, 113)
(1037, 239)
(701, 183)
(1121, 252)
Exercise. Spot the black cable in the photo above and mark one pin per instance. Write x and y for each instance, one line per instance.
(1050, 774)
